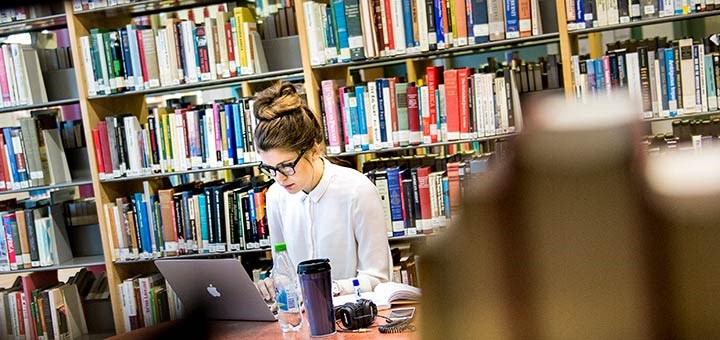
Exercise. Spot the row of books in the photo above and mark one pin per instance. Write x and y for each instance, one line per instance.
(665, 79)
(148, 300)
(210, 217)
(389, 112)
(21, 79)
(19, 13)
(598, 13)
(404, 268)
(279, 24)
(545, 74)
(176, 50)
(33, 153)
(34, 233)
(176, 138)
(84, 5)
(346, 30)
(36, 307)
(422, 194)
(80, 212)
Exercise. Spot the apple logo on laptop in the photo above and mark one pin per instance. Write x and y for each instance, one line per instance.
(213, 291)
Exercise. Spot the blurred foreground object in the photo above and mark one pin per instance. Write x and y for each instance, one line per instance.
(575, 237)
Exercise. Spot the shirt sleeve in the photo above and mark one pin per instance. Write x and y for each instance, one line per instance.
(373, 252)
(273, 215)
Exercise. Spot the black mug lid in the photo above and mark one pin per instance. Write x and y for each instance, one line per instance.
(313, 266)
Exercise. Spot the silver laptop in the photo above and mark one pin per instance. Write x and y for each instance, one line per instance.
(221, 286)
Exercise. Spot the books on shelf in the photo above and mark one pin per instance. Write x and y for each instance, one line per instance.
(148, 300)
(351, 30)
(176, 138)
(33, 153)
(666, 79)
(37, 306)
(447, 105)
(211, 217)
(21, 79)
(600, 13)
(178, 49)
(19, 13)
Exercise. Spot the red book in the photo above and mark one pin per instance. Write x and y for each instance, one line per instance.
(389, 26)
(10, 245)
(414, 115)
(230, 49)
(393, 113)
(141, 51)
(4, 80)
(105, 146)
(332, 117)
(34, 281)
(433, 80)
(463, 86)
(379, 28)
(20, 314)
(424, 190)
(98, 151)
(453, 171)
(446, 22)
(452, 104)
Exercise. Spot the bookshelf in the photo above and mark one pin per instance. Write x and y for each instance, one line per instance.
(35, 24)
(96, 108)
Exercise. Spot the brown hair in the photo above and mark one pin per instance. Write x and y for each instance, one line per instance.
(285, 121)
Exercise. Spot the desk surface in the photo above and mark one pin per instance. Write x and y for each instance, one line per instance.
(227, 330)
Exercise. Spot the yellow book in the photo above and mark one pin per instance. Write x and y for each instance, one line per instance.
(167, 145)
(224, 138)
(241, 58)
(453, 22)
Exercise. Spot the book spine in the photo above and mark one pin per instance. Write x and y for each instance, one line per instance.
(464, 103)
(710, 83)
(496, 19)
(415, 133)
(512, 21)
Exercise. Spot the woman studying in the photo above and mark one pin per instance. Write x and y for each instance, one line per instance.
(319, 209)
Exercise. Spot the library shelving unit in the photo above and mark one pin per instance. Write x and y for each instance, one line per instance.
(96, 108)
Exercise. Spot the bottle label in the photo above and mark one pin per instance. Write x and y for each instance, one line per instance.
(286, 298)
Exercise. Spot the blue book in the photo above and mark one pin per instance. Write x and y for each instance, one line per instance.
(362, 119)
(407, 15)
(135, 56)
(599, 76)
(253, 237)
(142, 222)
(396, 211)
(230, 131)
(184, 57)
(203, 138)
(590, 64)
(439, 28)
(237, 122)
(512, 20)
(197, 54)
(127, 60)
(342, 32)
(710, 85)
(204, 228)
(11, 157)
(190, 232)
(663, 81)
(446, 197)
(4, 265)
(671, 85)
(380, 83)
(330, 43)
(580, 13)
(350, 118)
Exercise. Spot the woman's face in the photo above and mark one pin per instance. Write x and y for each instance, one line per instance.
(284, 160)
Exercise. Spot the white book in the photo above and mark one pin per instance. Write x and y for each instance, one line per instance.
(398, 26)
(423, 25)
(382, 187)
(488, 87)
(173, 66)
(700, 49)
(211, 38)
(221, 66)
(123, 243)
(248, 29)
(575, 67)
(633, 80)
(10, 70)
(477, 98)
(388, 117)
(687, 74)
(613, 14)
(184, 162)
(314, 33)
(20, 75)
(503, 107)
(134, 48)
(535, 17)
(658, 83)
(144, 283)
(652, 70)
(210, 132)
(190, 59)
(371, 106)
(163, 58)
(126, 299)
(424, 105)
(367, 20)
(87, 60)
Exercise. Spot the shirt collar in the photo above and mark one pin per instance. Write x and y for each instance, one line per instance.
(322, 186)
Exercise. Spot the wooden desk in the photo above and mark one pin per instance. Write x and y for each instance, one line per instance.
(228, 330)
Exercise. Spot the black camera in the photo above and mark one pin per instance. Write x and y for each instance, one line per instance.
(356, 315)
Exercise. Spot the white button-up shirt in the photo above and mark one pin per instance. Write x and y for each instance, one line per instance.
(342, 219)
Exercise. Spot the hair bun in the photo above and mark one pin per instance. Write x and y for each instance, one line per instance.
(276, 101)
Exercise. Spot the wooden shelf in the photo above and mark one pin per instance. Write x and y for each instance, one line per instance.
(195, 256)
(48, 187)
(177, 173)
(39, 105)
(211, 84)
(411, 147)
(684, 116)
(452, 51)
(653, 21)
(77, 262)
(35, 24)
(411, 237)
(138, 8)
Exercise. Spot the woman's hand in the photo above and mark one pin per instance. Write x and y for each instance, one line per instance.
(266, 287)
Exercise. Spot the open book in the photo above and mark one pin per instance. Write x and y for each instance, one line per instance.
(384, 295)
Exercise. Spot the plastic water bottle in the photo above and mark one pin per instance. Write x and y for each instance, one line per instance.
(286, 292)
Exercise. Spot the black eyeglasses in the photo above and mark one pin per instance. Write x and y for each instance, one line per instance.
(287, 169)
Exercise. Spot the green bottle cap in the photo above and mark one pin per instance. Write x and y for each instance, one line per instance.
(280, 247)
